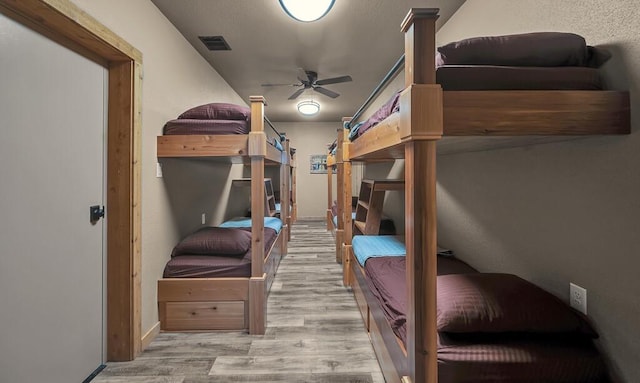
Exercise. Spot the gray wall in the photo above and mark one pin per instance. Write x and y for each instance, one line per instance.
(310, 138)
(562, 212)
(176, 78)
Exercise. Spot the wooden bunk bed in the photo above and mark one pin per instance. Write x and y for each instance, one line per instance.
(331, 171)
(294, 186)
(482, 119)
(227, 303)
(287, 191)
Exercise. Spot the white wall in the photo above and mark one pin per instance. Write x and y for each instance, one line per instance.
(310, 138)
(558, 212)
(176, 78)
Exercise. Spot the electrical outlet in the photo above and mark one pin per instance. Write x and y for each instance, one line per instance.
(578, 298)
(204, 218)
(158, 170)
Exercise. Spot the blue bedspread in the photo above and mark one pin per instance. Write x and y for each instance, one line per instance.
(368, 246)
(271, 222)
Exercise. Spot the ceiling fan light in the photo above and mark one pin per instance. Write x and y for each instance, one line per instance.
(308, 108)
(306, 10)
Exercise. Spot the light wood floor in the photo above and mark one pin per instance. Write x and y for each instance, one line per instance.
(314, 333)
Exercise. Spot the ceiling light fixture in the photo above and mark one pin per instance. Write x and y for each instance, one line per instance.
(308, 108)
(306, 10)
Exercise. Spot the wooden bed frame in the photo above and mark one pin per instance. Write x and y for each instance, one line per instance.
(293, 167)
(331, 165)
(343, 182)
(286, 187)
(228, 303)
(485, 119)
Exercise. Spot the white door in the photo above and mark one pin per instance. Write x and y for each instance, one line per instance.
(52, 128)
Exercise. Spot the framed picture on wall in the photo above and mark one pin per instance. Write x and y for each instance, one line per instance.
(318, 164)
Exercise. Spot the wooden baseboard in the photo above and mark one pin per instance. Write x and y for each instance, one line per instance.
(150, 335)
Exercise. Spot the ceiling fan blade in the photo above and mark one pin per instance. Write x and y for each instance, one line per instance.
(326, 91)
(334, 80)
(296, 94)
(303, 76)
(280, 84)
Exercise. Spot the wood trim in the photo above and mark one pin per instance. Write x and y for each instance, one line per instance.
(122, 276)
(203, 145)
(150, 335)
(536, 112)
(63, 21)
(257, 305)
(202, 289)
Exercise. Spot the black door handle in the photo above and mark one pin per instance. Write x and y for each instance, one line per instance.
(95, 213)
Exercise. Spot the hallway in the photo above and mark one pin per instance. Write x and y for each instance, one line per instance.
(314, 334)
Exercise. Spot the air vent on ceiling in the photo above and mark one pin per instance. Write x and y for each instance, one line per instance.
(215, 43)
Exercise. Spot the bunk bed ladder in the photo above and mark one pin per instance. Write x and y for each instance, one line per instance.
(370, 203)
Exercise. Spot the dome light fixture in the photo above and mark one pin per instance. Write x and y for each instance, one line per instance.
(308, 108)
(307, 10)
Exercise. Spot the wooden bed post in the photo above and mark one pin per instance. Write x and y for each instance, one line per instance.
(285, 195)
(420, 127)
(257, 152)
(294, 197)
(339, 198)
(347, 233)
(329, 197)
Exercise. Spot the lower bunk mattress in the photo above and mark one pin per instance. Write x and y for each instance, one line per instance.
(505, 357)
(214, 252)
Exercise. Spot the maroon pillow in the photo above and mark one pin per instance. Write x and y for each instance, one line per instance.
(529, 49)
(487, 302)
(214, 241)
(218, 111)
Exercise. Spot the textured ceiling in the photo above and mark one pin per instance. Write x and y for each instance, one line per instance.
(360, 38)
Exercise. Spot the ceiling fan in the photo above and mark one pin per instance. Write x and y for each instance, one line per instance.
(309, 80)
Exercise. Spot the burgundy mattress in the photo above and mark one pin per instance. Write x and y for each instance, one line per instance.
(486, 77)
(480, 77)
(186, 126)
(504, 359)
(386, 280)
(215, 266)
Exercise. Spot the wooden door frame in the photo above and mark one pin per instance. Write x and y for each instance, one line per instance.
(65, 23)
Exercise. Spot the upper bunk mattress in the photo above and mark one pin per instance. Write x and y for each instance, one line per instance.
(486, 77)
(186, 126)
(215, 266)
